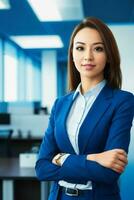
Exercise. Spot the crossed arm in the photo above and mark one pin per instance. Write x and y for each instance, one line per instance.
(115, 159)
(101, 167)
(114, 155)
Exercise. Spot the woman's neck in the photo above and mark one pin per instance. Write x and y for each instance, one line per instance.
(88, 84)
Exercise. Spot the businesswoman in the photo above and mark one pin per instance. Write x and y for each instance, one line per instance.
(84, 150)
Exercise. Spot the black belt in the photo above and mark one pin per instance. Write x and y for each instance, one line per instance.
(72, 192)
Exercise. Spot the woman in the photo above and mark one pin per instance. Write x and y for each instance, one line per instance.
(84, 150)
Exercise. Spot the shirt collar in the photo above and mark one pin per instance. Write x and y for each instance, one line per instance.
(93, 91)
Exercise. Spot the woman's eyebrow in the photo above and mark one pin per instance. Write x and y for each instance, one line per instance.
(98, 43)
(95, 43)
(80, 43)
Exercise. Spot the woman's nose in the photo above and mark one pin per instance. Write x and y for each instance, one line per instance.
(88, 55)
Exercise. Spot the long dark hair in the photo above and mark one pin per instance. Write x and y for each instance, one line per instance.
(112, 71)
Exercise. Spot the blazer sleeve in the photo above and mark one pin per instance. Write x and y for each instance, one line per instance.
(119, 133)
(44, 167)
(119, 136)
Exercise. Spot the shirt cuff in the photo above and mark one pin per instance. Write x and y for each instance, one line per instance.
(63, 158)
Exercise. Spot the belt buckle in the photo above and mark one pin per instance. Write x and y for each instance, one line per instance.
(73, 194)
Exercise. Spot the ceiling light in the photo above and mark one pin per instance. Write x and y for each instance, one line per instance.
(4, 4)
(45, 9)
(38, 42)
(57, 10)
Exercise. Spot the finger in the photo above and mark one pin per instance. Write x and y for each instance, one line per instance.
(118, 168)
(121, 151)
(118, 171)
(120, 163)
(122, 158)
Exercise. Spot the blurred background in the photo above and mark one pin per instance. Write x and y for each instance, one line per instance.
(34, 40)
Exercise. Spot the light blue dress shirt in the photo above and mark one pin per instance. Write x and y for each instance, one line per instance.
(77, 114)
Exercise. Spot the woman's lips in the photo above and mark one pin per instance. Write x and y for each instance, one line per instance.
(88, 66)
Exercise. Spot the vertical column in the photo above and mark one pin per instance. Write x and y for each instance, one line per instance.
(7, 190)
(49, 78)
(1, 71)
(44, 190)
(22, 77)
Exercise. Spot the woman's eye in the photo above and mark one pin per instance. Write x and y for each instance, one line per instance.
(99, 49)
(80, 48)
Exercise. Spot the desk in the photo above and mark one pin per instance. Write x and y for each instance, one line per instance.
(10, 171)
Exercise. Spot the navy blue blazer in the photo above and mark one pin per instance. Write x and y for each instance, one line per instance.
(106, 126)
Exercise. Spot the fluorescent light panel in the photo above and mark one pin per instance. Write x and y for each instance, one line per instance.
(57, 10)
(38, 42)
(4, 4)
(45, 9)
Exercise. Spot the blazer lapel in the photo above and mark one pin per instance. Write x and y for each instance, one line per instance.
(100, 106)
(62, 130)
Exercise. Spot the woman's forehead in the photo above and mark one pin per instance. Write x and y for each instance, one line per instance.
(87, 35)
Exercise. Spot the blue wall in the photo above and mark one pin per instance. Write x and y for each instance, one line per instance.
(127, 179)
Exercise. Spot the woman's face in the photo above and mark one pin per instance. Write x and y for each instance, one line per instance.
(89, 54)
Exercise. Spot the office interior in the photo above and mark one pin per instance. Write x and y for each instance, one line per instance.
(34, 39)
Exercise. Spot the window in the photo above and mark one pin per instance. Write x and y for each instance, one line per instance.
(1, 71)
(10, 73)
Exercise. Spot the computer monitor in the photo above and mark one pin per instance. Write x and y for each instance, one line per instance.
(5, 119)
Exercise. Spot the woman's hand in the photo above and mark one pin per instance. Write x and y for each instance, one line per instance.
(115, 159)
